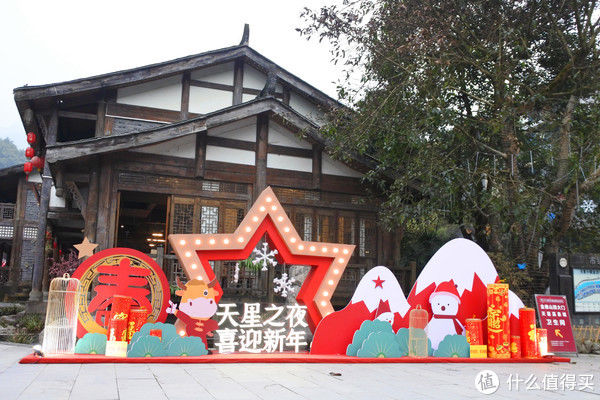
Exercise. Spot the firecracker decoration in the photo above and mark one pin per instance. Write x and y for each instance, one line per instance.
(527, 332)
(265, 257)
(284, 285)
(474, 327)
(137, 318)
(498, 321)
(588, 206)
(515, 346)
(119, 316)
(85, 248)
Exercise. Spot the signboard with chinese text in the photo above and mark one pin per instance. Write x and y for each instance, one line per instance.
(554, 316)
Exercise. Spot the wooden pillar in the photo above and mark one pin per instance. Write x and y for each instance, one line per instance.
(104, 200)
(17, 243)
(200, 166)
(59, 183)
(185, 95)
(91, 209)
(100, 118)
(39, 255)
(317, 163)
(238, 81)
(262, 143)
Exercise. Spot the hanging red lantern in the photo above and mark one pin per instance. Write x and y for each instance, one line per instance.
(37, 162)
(31, 138)
(29, 152)
(28, 167)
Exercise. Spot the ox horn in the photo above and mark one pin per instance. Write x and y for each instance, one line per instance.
(180, 284)
(212, 283)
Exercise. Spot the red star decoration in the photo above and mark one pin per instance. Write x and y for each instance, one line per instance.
(267, 217)
(378, 282)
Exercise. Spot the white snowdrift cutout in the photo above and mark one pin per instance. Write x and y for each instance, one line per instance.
(460, 260)
(389, 290)
(514, 303)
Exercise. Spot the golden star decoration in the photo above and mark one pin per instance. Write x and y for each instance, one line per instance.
(85, 248)
(328, 260)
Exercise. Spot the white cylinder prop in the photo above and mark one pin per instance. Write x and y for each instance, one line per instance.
(61, 316)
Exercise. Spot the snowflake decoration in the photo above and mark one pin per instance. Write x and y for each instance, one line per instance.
(236, 273)
(284, 285)
(264, 257)
(588, 206)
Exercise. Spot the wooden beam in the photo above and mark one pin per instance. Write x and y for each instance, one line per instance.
(238, 81)
(77, 115)
(100, 118)
(227, 88)
(317, 163)
(200, 154)
(59, 182)
(262, 143)
(231, 143)
(286, 95)
(103, 226)
(185, 95)
(289, 151)
(91, 208)
(17, 243)
(143, 113)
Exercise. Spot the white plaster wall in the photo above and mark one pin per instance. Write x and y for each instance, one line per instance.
(289, 162)
(306, 108)
(161, 93)
(184, 147)
(225, 154)
(56, 201)
(244, 129)
(253, 78)
(222, 73)
(206, 100)
(278, 135)
(334, 167)
(247, 97)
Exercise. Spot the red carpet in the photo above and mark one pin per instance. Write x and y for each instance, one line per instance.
(269, 358)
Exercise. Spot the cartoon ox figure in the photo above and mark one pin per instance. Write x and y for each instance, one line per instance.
(195, 309)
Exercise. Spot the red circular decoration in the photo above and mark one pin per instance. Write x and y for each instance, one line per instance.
(31, 138)
(29, 152)
(88, 273)
(28, 167)
(37, 162)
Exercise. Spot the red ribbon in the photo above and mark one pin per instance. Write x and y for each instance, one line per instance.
(457, 326)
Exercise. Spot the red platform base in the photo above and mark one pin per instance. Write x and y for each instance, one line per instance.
(271, 358)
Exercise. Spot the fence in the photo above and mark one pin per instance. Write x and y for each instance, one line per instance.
(586, 332)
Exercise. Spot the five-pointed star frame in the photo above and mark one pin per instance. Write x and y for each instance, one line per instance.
(327, 260)
(85, 248)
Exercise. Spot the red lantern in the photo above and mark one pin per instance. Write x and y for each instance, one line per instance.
(37, 162)
(31, 138)
(29, 152)
(28, 167)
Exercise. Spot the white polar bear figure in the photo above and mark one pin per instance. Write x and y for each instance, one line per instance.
(444, 306)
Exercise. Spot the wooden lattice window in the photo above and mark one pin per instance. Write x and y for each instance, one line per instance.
(346, 230)
(367, 237)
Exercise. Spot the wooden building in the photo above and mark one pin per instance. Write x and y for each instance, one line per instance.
(184, 146)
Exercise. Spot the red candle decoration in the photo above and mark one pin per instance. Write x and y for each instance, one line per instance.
(515, 346)
(29, 152)
(31, 138)
(528, 333)
(498, 321)
(119, 315)
(474, 327)
(137, 318)
(28, 167)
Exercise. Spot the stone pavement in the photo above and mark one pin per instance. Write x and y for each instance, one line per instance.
(281, 381)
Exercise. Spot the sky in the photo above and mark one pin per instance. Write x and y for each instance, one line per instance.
(52, 41)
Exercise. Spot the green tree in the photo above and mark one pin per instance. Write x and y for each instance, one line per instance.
(10, 154)
(483, 113)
